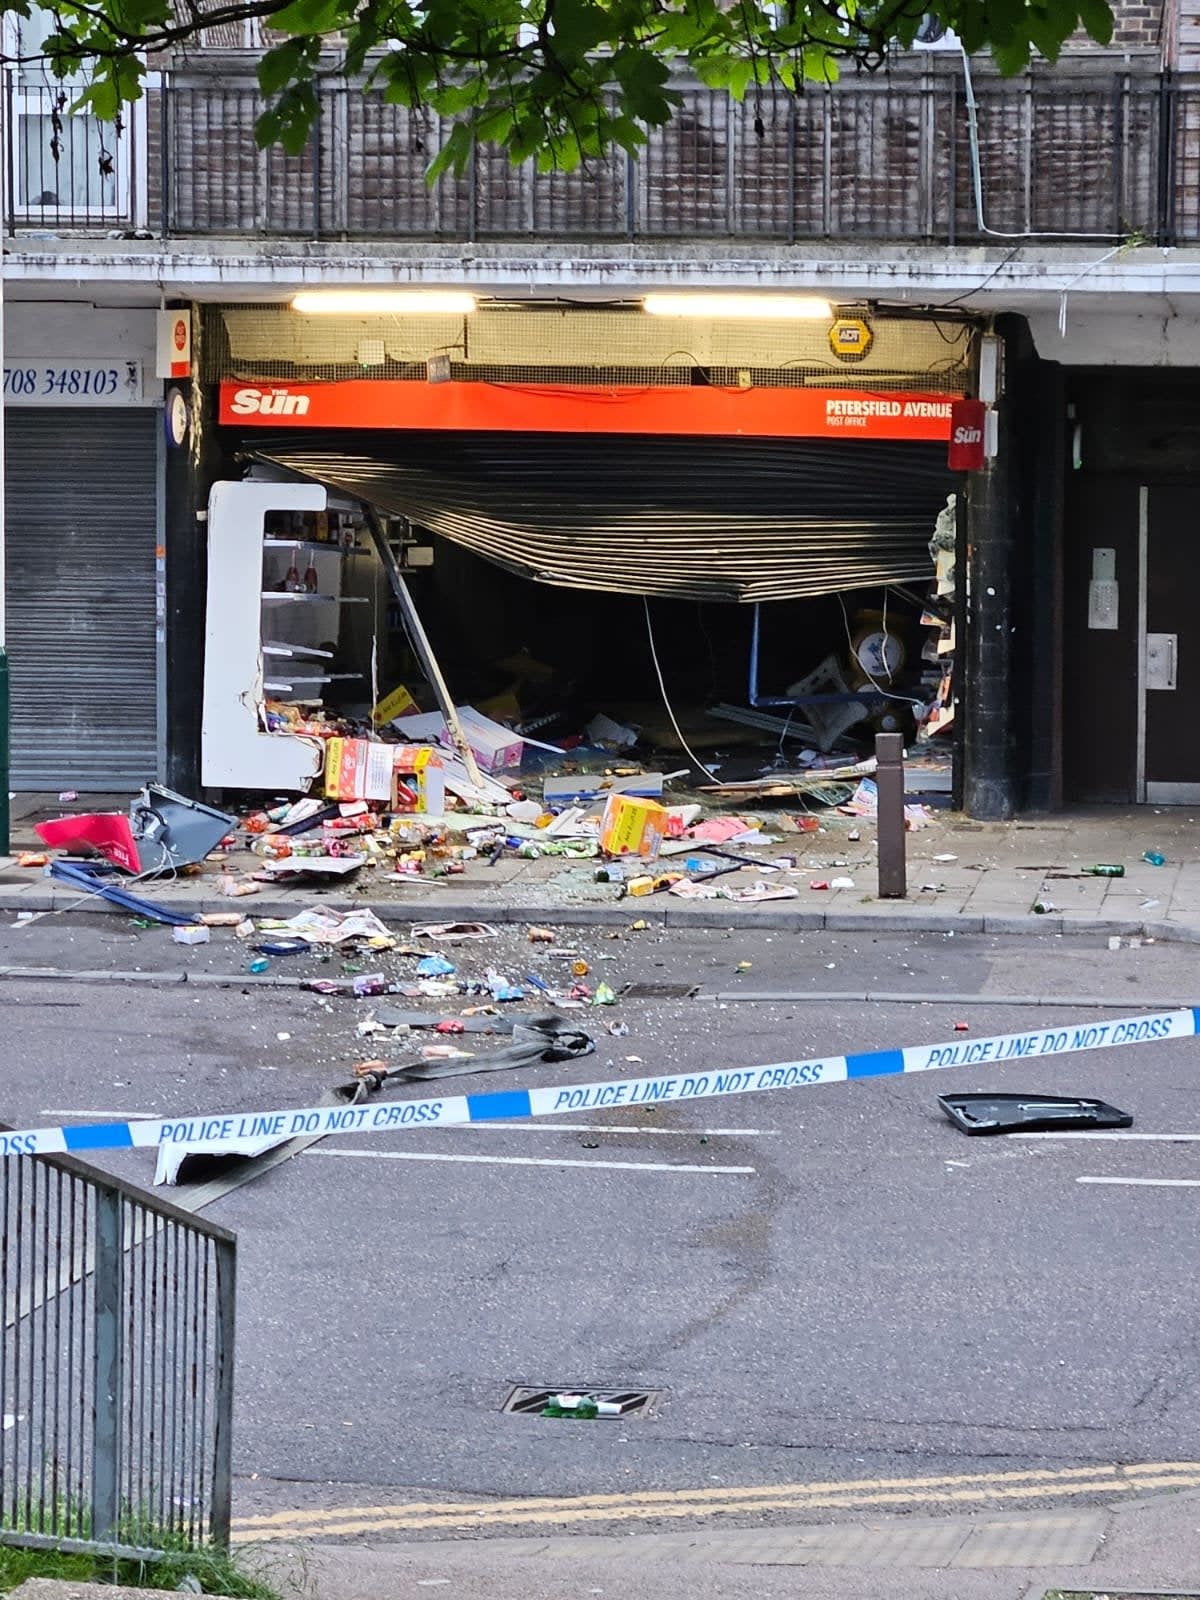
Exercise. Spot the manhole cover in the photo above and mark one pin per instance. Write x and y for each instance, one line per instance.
(659, 991)
(527, 1402)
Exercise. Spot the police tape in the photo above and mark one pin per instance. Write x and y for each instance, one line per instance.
(213, 1132)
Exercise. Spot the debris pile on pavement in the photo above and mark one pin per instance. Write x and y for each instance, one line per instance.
(398, 816)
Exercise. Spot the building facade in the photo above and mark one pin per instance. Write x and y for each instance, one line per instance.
(1034, 241)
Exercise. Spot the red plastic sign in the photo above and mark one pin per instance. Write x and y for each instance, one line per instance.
(530, 408)
(966, 435)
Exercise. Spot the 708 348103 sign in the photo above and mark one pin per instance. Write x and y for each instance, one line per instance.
(88, 382)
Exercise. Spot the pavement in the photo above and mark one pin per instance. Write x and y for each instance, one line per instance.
(1143, 1546)
(963, 876)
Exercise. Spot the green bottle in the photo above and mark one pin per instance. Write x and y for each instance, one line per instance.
(571, 1405)
(1105, 869)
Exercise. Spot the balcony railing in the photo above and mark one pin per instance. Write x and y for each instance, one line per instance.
(66, 171)
(1061, 153)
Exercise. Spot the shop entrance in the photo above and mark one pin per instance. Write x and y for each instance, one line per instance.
(1169, 653)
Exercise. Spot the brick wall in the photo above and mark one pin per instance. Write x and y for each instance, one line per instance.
(1137, 25)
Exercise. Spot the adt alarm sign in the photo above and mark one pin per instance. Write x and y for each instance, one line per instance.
(966, 435)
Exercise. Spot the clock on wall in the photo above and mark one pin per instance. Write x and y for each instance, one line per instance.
(175, 417)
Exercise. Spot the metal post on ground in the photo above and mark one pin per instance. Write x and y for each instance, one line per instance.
(889, 784)
(108, 1356)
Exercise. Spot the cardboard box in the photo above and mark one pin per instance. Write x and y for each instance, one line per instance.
(632, 827)
(584, 786)
(496, 747)
(357, 769)
(418, 769)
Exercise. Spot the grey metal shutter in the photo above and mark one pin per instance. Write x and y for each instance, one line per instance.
(81, 533)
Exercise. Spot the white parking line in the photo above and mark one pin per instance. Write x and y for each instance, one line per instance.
(1146, 1183)
(1124, 1137)
(117, 1116)
(620, 1127)
(533, 1161)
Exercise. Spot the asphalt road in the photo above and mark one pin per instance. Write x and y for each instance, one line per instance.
(827, 1284)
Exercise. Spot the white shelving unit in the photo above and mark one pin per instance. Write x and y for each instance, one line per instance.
(253, 620)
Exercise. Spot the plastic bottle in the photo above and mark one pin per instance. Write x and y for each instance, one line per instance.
(1154, 857)
(1105, 869)
(259, 964)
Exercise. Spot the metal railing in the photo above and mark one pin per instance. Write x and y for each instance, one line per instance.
(1080, 149)
(116, 1363)
(66, 170)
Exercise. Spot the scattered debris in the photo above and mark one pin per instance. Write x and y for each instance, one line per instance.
(321, 925)
(1026, 1113)
(86, 876)
(536, 1039)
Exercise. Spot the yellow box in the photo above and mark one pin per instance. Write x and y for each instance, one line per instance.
(418, 770)
(632, 827)
(397, 704)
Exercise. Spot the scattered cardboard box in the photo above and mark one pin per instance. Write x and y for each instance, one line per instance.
(418, 780)
(632, 826)
(358, 769)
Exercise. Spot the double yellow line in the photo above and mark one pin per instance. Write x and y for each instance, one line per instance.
(652, 1505)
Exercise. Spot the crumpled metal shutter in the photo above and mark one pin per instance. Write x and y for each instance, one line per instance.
(723, 519)
(81, 532)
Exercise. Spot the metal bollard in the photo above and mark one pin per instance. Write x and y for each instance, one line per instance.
(889, 783)
(5, 809)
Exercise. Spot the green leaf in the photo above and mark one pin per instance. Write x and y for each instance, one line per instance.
(1011, 57)
(280, 66)
(309, 16)
(579, 26)
(453, 156)
(289, 121)
(1097, 18)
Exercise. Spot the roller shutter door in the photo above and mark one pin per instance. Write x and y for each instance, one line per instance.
(725, 519)
(81, 533)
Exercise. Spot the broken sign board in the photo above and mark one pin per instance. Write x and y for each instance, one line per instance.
(1028, 1113)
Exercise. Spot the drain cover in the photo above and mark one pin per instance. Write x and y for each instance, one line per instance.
(659, 991)
(527, 1402)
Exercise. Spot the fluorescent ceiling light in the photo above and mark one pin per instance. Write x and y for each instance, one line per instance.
(766, 307)
(358, 302)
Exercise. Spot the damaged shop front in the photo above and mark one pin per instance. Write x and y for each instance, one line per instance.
(725, 549)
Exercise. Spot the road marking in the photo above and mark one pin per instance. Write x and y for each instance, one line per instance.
(614, 1127)
(532, 1161)
(1146, 1183)
(655, 1504)
(134, 1116)
(1125, 1138)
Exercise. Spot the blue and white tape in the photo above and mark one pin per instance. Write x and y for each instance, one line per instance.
(211, 1132)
